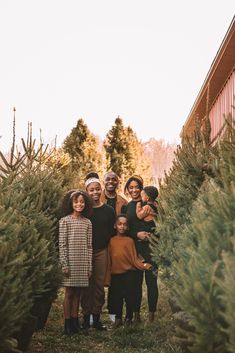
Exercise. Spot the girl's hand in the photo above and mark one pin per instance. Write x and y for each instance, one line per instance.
(66, 272)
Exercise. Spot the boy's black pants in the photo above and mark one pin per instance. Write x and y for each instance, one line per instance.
(122, 288)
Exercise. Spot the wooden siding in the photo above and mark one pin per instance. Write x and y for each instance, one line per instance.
(223, 105)
(216, 94)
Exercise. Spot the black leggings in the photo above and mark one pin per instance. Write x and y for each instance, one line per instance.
(143, 249)
(152, 289)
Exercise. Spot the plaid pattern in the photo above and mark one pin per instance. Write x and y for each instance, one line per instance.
(75, 248)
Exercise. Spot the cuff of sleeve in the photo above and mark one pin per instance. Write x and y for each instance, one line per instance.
(148, 266)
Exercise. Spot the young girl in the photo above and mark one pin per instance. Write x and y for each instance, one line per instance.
(102, 219)
(75, 250)
(120, 275)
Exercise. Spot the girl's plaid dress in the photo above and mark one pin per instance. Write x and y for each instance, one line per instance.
(75, 248)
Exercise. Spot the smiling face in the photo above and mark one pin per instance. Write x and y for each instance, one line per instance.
(78, 204)
(110, 181)
(134, 190)
(94, 191)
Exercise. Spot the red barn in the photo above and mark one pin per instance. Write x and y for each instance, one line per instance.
(216, 97)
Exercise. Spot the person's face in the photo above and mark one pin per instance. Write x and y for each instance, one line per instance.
(144, 196)
(110, 182)
(134, 190)
(94, 191)
(78, 204)
(122, 225)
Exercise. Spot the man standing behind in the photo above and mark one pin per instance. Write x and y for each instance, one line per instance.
(117, 202)
(110, 195)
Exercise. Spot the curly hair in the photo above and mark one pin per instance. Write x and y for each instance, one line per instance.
(67, 203)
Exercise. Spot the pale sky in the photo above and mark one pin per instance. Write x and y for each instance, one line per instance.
(146, 61)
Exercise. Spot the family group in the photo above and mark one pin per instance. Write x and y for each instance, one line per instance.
(104, 241)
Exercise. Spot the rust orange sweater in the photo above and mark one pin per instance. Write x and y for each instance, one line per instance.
(122, 257)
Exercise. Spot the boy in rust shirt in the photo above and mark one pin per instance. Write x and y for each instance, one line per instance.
(120, 277)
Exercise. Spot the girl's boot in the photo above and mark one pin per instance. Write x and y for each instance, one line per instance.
(68, 327)
(75, 324)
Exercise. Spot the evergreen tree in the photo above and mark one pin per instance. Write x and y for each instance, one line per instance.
(43, 193)
(196, 223)
(73, 143)
(13, 279)
(178, 191)
(139, 162)
(29, 253)
(30, 194)
(228, 286)
(125, 153)
(84, 150)
(116, 147)
(202, 288)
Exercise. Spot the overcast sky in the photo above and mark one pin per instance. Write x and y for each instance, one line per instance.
(146, 61)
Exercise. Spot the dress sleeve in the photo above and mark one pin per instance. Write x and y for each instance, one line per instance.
(63, 244)
(133, 258)
(89, 246)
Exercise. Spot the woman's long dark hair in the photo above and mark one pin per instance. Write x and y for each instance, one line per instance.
(67, 203)
(136, 178)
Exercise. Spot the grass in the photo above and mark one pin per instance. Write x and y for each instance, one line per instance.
(155, 338)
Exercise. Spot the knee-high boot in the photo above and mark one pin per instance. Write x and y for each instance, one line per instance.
(68, 330)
